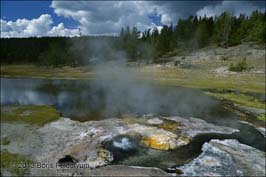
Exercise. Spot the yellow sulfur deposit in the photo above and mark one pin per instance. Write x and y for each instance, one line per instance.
(161, 142)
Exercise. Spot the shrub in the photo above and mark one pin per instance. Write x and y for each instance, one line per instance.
(239, 67)
(5, 141)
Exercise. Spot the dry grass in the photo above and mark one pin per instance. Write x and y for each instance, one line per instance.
(199, 77)
(33, 71)
(204, 79)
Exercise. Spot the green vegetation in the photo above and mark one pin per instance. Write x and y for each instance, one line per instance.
(38, 115)
(262, 117)
(5, 141)
(240, 99)
(43, 72)
(239, 67)
(191, 33)
(244, 100)
(203, 79)
(12, 162)
(56, 56)
(197, 32)
(245, 82)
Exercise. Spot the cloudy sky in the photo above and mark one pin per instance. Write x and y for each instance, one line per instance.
(70, 18)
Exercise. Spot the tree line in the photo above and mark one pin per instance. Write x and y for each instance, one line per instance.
(197, 32)
(190, 33)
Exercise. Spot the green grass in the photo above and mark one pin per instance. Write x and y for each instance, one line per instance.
(261, 117)
(38, 114)
(201, 77)
(239, 67)
(239, 99)
(32, 71)
(10, 162)
(5, 141)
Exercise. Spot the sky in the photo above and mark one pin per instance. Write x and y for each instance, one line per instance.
(72, 18)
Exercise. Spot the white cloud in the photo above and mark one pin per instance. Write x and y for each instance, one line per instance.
(108, 17)
(41, 26)
(166, 19)
(60, 30)
(235, 7)
(105, 17)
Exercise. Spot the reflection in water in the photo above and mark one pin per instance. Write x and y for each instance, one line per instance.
(79, 99)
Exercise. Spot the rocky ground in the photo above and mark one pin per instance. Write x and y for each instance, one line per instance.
(67, 147)
(227, 157)
(252, 52)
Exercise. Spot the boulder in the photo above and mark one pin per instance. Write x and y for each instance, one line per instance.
(154, 137)
(262, 130)
(80, 141)
(226, 157)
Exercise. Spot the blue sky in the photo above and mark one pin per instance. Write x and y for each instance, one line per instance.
(13, 10)
(69, 18)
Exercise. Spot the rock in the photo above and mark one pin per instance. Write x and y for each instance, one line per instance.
(67, 137)
(77, 151)
(262, 130)
(5, 173)
(102, 158)
(250, 110)
(259, 71)
(23, 139)
(154, 137)
(155, 121)
(162, 142)
(226, 157)
(212, 162)
(174, 132)
(222, 71)
(248, 159)
(222, 56)
(191, 127)
(81, 143)
(64, 137)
